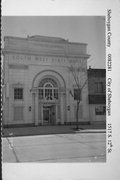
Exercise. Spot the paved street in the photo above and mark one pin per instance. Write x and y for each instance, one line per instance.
(79, 147)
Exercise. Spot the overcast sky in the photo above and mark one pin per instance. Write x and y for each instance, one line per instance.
(86, 29)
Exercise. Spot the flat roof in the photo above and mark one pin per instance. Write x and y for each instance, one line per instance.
(45, 39)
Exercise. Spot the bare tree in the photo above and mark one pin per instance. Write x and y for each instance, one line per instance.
(80, 81)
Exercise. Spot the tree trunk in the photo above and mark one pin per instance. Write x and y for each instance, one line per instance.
(77, 111)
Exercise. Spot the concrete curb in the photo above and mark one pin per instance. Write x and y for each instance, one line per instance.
(91, 131)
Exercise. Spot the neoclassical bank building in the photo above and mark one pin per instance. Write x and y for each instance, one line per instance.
(38, 82)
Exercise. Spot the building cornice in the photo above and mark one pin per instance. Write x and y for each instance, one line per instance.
(46, 39)
(45, 46)
(33, 53)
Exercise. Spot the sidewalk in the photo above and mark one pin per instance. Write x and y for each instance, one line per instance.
(45, 130)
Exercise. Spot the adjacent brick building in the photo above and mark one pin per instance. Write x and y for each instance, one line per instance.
(97, 95)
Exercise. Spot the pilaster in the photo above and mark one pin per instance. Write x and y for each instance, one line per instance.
(36, 108)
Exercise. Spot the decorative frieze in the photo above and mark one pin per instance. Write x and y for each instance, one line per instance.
(21, 57)
(49, 59)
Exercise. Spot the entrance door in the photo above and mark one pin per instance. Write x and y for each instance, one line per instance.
(49, 115)
(46, 115)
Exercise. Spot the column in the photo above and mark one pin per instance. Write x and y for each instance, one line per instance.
(40, 113)
(56, 113)
(33, 107)
(36, 108)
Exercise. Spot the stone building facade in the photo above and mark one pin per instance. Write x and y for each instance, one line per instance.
(38, 81)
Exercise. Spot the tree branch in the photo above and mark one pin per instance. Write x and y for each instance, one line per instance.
(71, 93)
(84, 84)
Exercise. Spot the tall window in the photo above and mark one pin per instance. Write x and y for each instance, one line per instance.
(48, 89)
(18, 93)
(98, 87)
(77, 94)
(48, 92)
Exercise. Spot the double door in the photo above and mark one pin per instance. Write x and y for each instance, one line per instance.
(49, 115)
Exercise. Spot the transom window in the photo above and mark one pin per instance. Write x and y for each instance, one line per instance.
(48, 89)
(18, 93)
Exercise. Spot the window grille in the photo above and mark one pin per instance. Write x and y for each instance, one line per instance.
(18, 93)
(40, 94)
(56, 93)
(48, 89)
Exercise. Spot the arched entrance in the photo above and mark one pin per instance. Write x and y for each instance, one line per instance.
(49, 98)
